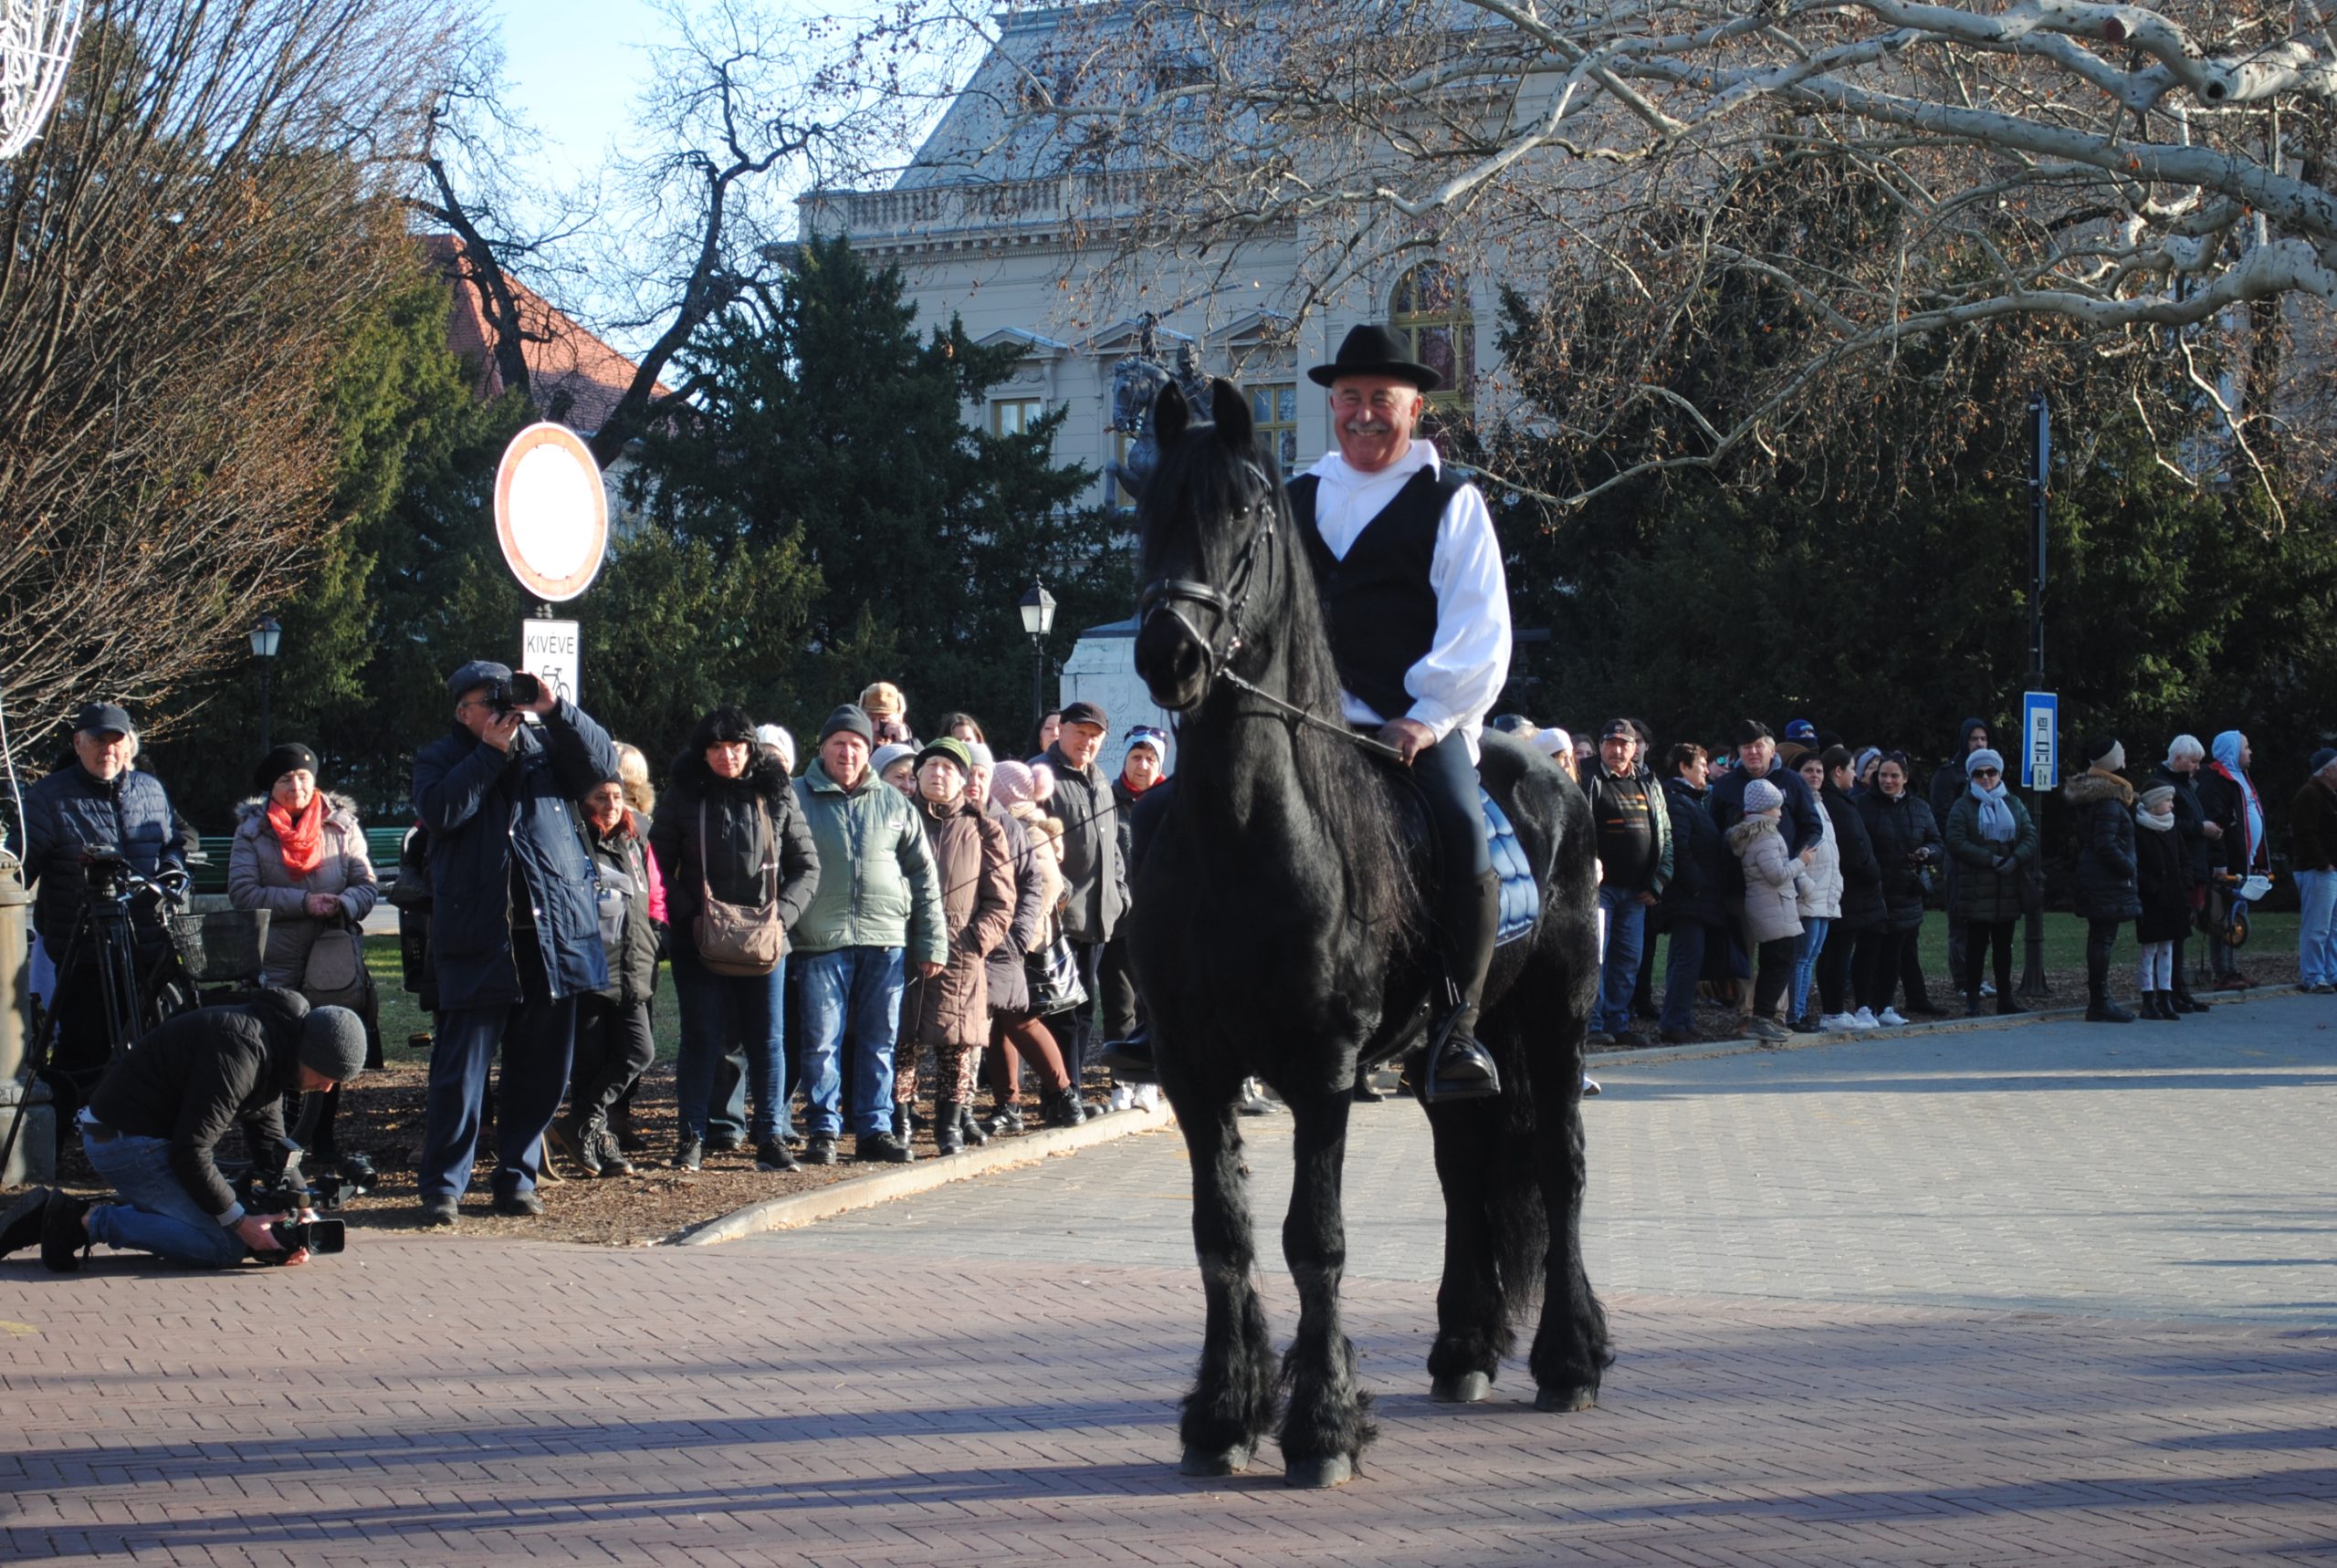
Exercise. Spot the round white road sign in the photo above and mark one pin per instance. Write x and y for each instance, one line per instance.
(551, 515)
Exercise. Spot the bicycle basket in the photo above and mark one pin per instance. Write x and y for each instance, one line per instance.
(220, 945)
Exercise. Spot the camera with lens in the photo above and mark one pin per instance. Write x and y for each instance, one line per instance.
(317, 1236)
(104, 866)
(524, 688)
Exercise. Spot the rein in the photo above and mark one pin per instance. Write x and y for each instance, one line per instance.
(1163, 596)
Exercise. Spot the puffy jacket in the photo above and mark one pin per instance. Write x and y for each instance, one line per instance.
(1823, 898)
(754, 827)
(1900, 826)
(2163, 885)
(257, 879)
(952, 1007)
(71, 810)
(1699, 862)
(1799, 823)
(491, 814)
(1091, 867)
(876, 886)
(1010, 984)
(1861, 904)
(627, 868)
(192, 1077)
(2190, 820)
(2105, 827)
(1981, 892)
(1774, 883)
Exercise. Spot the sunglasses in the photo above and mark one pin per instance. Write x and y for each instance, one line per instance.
(1984, 772)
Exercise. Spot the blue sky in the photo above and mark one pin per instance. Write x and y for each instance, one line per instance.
(574, 66)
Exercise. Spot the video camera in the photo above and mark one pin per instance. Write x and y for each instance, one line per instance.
(104, 866)
(523, 688)
(321, 1236)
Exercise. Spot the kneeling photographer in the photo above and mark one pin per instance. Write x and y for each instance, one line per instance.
(153, 1125)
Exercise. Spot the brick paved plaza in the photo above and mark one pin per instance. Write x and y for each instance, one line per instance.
(2055, 1294)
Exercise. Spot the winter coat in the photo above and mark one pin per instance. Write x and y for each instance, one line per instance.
(1982, 892)
(197, 1075)
(491, 814)
(1699, 862)
(1799, 823)
(1611, 800)
(2225, 803)
(1861, 904)
(1899, 827)
(1823, 900)
(627, 869)
(952, 1007)
(71, 810)
(753, 827)
(257, 879)
(2190, 820)
(2313, 828)
(2163, 885)
(2104, 804)
(876, 886)
(1010, 984)
(1091, 867)
(1774, 883)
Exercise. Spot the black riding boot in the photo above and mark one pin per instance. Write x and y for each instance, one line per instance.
(1458, 1067)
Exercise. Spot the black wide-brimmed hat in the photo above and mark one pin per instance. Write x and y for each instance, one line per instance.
(1372, 349)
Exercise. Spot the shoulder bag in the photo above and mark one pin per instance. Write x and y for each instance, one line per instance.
(733, 938)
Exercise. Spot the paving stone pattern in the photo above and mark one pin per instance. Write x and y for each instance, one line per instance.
(2004, 1297)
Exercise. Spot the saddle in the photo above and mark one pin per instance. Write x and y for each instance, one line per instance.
(1521, 896)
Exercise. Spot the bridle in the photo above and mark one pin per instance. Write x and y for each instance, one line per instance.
(1169, 595)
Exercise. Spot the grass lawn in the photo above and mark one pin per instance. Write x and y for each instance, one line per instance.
(402, 1014)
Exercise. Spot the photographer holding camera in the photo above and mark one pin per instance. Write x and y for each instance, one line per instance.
(153, 1125)
(96, 802)
(514, 926)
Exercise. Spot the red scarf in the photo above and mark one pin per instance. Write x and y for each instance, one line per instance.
(301, 840)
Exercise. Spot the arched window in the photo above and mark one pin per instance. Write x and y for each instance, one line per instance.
(1430, 313)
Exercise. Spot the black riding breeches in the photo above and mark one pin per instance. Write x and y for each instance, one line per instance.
(1447, 775)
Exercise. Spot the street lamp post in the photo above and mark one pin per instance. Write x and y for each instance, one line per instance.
(265, 638)
(1038, 607)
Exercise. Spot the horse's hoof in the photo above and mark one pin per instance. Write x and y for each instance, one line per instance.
(1468, 1388)
(1230, 1461)
(1335, 1470)
(1565, 1401)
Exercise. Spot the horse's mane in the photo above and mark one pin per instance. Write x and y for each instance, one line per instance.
(1199, 477)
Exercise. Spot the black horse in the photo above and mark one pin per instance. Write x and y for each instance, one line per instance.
(1276, 932)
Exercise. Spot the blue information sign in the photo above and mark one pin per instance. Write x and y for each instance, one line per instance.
(2040, 755)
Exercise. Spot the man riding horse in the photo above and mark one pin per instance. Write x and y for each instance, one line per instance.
(1409, 573)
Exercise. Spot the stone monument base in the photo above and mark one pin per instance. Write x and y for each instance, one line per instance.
(34, 1158)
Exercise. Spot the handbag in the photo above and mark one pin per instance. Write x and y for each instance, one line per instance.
(1053, 973)
(734, 938)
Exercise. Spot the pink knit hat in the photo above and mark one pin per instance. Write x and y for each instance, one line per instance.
(1011, 783)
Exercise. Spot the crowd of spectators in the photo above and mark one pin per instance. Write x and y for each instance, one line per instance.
(865, 938)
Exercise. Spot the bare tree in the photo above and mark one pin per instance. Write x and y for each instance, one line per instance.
(2151, 181)
(181, 257)
(746, 104)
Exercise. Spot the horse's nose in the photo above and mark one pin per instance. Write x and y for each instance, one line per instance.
(1170, 663)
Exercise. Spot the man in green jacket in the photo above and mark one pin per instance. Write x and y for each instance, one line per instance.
(878, 909)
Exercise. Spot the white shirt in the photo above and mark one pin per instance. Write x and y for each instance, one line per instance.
(1457, 683)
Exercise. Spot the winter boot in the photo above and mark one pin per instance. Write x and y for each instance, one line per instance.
(970, 1126)
(1058, 1108)
(2100, 1009)
(948, 1132)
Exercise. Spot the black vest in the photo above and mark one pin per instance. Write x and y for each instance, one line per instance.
(1379, 602)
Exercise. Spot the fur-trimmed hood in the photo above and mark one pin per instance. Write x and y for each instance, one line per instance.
(1751, 828)
(2091, 786)
(339, 811)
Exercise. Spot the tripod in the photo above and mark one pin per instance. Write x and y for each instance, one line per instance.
(129, 1004)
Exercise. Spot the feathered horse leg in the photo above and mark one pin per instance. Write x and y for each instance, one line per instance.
(1327, 1425)
(1234, 1396)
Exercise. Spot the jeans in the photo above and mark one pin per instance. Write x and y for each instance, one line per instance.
(1811, 942)
(537, 1036)
(2317, 927)
(1620, 969)
(720, 1012)
(862, 987)
(1682, 969)
(159, 1215)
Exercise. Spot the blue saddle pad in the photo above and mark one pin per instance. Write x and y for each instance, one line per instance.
(1521, 898)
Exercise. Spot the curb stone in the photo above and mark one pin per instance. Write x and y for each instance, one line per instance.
(1745, 1045)
(893, 1182)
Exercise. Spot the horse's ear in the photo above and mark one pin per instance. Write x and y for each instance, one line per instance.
(1171, 415)
(1229, 409)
